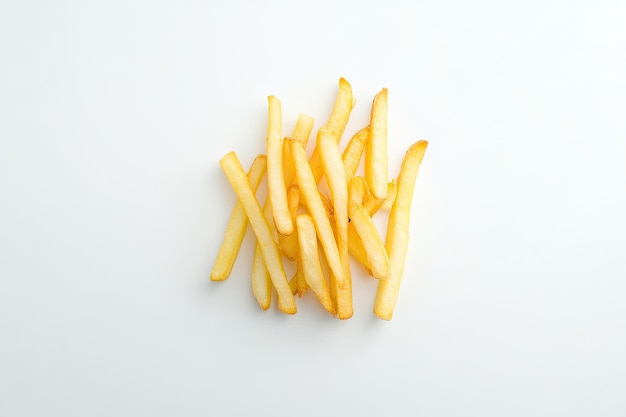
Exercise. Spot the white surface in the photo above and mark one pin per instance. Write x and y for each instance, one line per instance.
(113, 117)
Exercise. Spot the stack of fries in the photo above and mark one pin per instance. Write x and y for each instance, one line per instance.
(302, 224)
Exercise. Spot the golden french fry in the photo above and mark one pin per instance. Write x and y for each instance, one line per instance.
(237, 178)
(236, 228)
(357, 190)
(288, 244)
(313, 202)
(301, 284)
(354, 151)
(302, 131)
(397, 239)
(335, 173)
(310, 261)
(277, 193)
(377, 259)
(261, 282)
(356, 248)
(336, 123)
(392, 190)
(376, 149)
(341, 299)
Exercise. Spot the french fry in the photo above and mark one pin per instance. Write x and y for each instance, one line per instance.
(301, 133)
(372, 204)
(356, 248)
(357, 190)
(376, 149)
(310, 261)
(261, 282)
(301, 284)
(377, 259)
(236, 228)
(237, 178)
(275, 170)
(288, 244)
(392, 190)
(354, 151)
(397, 239)
(313, 202)
(335, 173)
(336, 123)
(341, 299)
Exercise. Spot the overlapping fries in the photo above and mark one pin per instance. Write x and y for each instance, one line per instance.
(298, 216)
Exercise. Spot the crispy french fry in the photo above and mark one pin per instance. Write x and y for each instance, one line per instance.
(302, 131)
(376, 149)
(237, 178)
(313, 202)
(336, 178)
(341, 299)
(392, 190)
(357, 190)
(397, 239)
(275, 170)
(377, 259)
(356, 248)
(354, 151)
(236, 228)
(288, 244)
(301, 284)
(310, 261)
(261, 283)
(336, 123)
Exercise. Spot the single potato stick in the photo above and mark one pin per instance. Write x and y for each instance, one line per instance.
(310, 261)
(237, 178)
(336, 123)
(335, 173)
(313, 202)
(301, 284)
(236, 229)
(275, 171)
(376, 149)
(341, 299)
(392, 190)
(288, 244)
(356, 248)
(261, 283)
(301, 133)
(357, 190)
(397, 240)
(377, 258)
(354, 151)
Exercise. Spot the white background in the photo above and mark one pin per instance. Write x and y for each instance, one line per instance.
(114, 115)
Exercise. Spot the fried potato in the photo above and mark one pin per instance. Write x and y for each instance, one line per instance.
(301, 133)
(275, 170)
(237, 178)
(310, 262)
(336, 123)
(313, 202)
(392, 190)
(377, 259)
(236, 228)
(354, 151)
(261, 282)
(288, 244)
(397, 239)
(357, 190)
(376, 149)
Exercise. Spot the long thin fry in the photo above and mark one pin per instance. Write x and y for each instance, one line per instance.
(302, 131)
(275, 170)
(354, 151)
(310, 262)
(336, 178)
(237, 178)
(261, 282)
(376, 149)
(312, 200)
(357, 190)
(336, 123)
(236, 228)
(397, 240)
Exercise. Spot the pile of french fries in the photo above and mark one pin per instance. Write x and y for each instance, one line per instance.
(300, 223)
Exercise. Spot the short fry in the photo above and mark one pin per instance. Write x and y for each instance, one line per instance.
(377, 259)
(275, 170)
(310, 261)
(354, 151)
(312, 200)
(236, 228)
(397, 239)
(261, 282)
(237, 178)
(376, 149)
